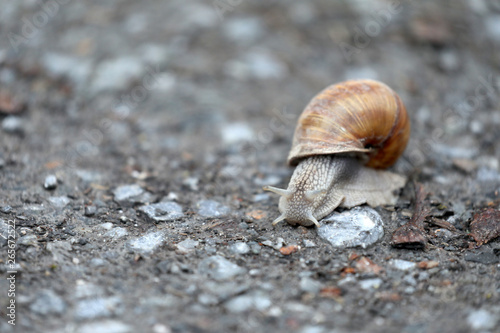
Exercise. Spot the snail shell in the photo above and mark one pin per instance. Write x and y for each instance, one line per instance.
(346, 132)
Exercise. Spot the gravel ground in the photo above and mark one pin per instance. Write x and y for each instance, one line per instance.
(136, 138)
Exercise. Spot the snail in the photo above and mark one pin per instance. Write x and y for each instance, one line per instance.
(344, 137)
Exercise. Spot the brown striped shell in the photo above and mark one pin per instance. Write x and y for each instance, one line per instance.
(357, 116)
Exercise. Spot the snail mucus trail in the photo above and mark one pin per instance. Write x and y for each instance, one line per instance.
(344, 137)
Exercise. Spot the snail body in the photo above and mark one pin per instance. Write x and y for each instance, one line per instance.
(344, 137)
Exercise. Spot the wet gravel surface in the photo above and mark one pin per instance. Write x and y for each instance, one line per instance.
(136, 138)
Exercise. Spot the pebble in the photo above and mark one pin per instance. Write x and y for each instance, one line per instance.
(163, 211)
(105, 326)
(148, 243)
(90, 210)
(47, 302)
(240, 248)
(257, 300)
(308, 243)
(309, 285)
(127, 192)
(13, 124)
(258, 64)
(97, 262)
(4, 231)
(187, 245)
(481, 320)
(243, 30)
(219, 268)
(237, 132)
(261, 197)
(61, 65)
(116, 73)
(117, 233)
(482, 255)
(492, 25)
(370, 283)
(96, 307)
(402, 265)
(28, 240)
(50, 182)
(210, 208)
(360, 226)
(59, 202)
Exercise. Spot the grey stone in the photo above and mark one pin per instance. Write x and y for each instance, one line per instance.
(50, 182)
(257, 64)
(96, 307)
(482, 320)
(117, 233)
(219, 268)
(187, 245)
(240, 248)
(243, 30)
(309, 243)
(4, 232)
(105, 326)
(97, 262)
(360, 226)
(482, 255)
(309, 285)
(28, 240)
(261, 197)
(402, 265)
(162, 211)
(90, 210)
(492, 25)
(237, 132)
(257, 300)
(76, 69)
(147, 243)
(370, 283)
(59, 202)
(127, 192)
(116, 73)
(210, 208)
(13, 124)
(47, 302)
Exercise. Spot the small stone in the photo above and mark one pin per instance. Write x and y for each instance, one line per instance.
(4, 231)
(482, 320)
(148, 243)
(6, 209)
(287, 250)
(261, 197)
(360, 226)
(258, 300)
(492, 27)
(187, 245)
(116, 73)
(219, 268)
(96, 307)
(105, 326)
(13, 124)
(117, 233)
(210, 208)
(59, 202)
(308, 243)
(127, 192)
(191, 183)
(28, 240)
(97, 262)
(240, 248)
(483, 255)
(365, 265)
(309, 285)
(402, 265)
(90, 210)
(162, 211)
(237, 132)
(50, 182)
(428, 264)
(243, 30)
(48, 302)
(370, 283)
(106, 226)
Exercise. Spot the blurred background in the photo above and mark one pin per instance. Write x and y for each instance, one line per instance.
(200, 98)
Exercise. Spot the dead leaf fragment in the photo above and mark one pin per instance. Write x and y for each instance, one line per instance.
(287, 250)
(485, 226)
(331, 292)
(428, 264)
(9, 104)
